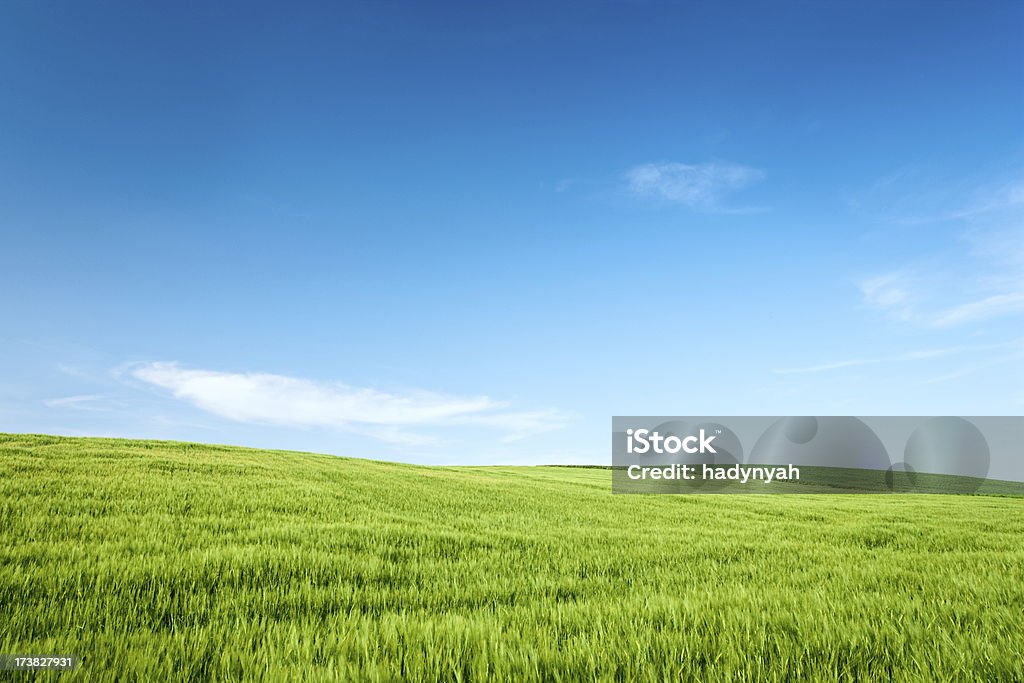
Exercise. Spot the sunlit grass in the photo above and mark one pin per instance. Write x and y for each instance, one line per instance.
(172, 561)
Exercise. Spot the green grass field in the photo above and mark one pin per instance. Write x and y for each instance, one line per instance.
(173, 561)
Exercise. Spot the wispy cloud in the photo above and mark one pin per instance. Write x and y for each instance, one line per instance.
(965, 290)
(72, 371)
(981, 309)
(894, 292)
(90, 402)
(979, 277)
(698, 186)
(985, 363)
(924, 354)
(262, 398)
(990, 201)
(916, 196)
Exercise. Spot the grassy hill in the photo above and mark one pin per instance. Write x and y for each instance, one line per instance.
(174, 561)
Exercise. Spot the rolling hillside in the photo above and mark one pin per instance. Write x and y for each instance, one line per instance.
(175, 561)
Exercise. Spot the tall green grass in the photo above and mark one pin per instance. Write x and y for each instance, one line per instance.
(174, 561)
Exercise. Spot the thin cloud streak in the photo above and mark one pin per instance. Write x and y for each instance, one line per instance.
(983, 309)
(900, 358)
(969, 369)
(90, 402)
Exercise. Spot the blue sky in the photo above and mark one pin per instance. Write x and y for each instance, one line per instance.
(474, 232)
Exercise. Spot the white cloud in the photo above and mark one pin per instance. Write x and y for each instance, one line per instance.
(925, 354)
(1005, 198)
(91, 402)
(987, 362)
(975, 278)
(946, 298)
(917, 196)
(699, 186)
(893, 292)
(261, 398)
(982, 309)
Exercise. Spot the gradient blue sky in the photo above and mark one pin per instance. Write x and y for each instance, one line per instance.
(474, 232)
